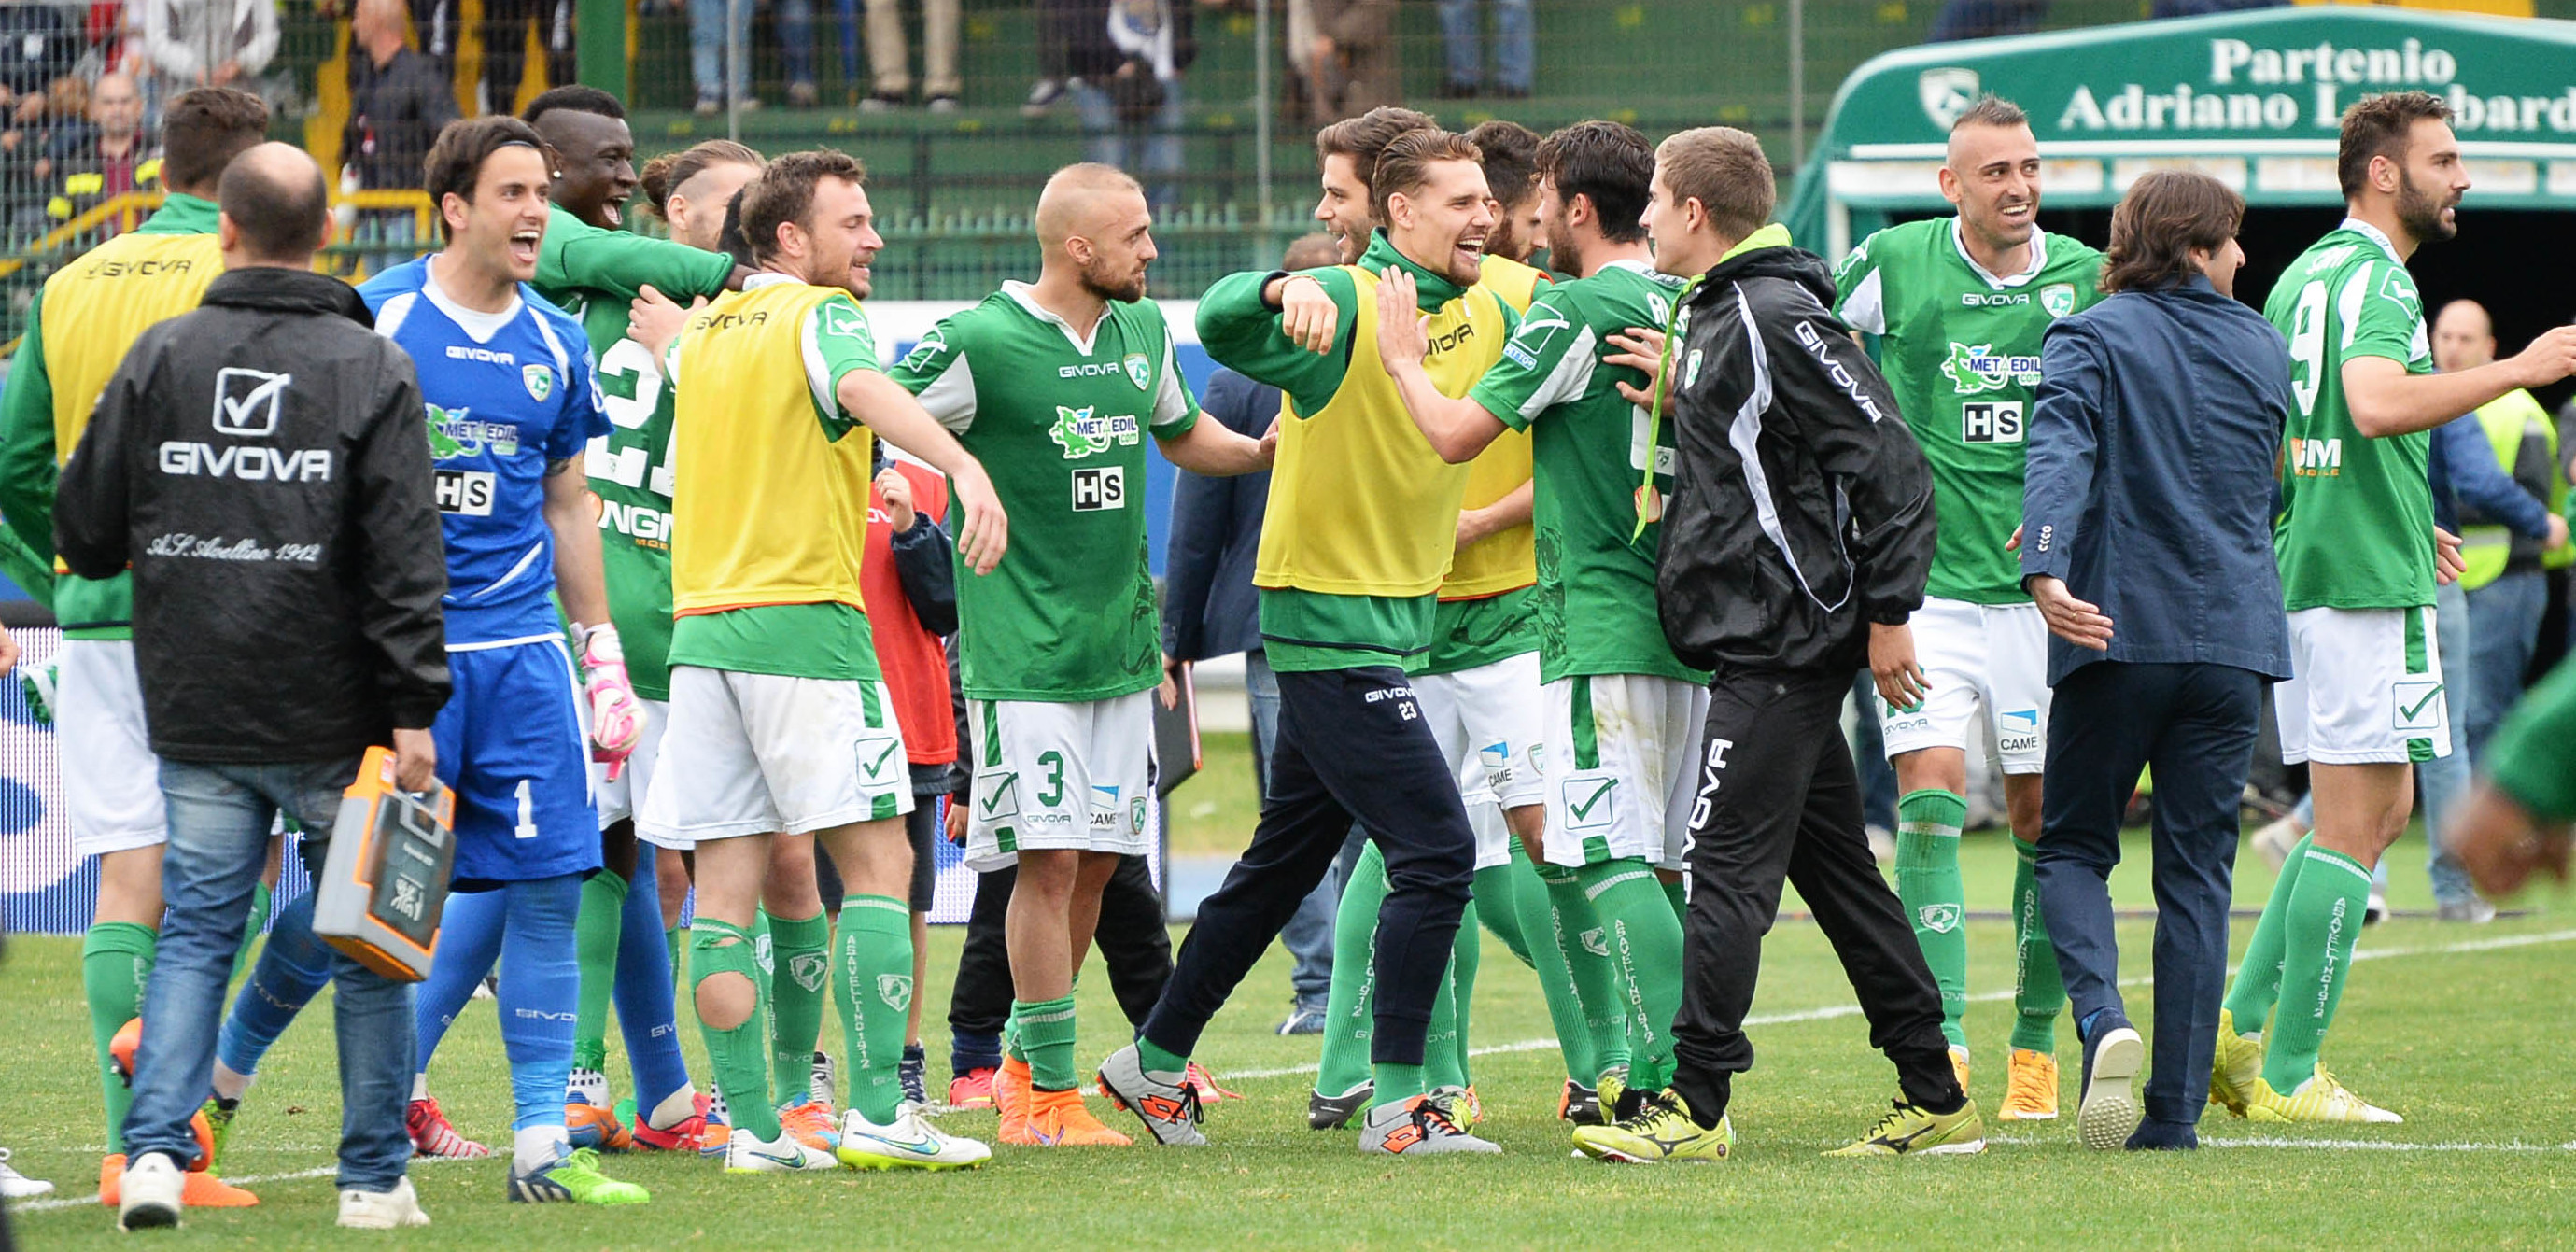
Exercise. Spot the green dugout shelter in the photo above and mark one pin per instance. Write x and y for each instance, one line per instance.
(2251, 98)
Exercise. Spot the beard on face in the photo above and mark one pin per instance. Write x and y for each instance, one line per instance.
(1102, 279)
(2421, 211)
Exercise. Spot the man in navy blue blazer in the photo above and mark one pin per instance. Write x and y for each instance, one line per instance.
(2147, 544)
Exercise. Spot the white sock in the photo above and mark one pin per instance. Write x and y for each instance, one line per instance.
(674, 1109)
(420, 1085)
(537, 1147)
(229, 1085)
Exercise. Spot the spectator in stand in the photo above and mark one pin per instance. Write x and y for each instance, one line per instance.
(1515, 56)
(36, 47)
(398, 102)
(890, 58)
(202, 43)
(1353, 59)
(435, 20)
(505, 47)
(709, 52)
(1129, 92)
(1209, 611)
(1056, 20)
(104, 156)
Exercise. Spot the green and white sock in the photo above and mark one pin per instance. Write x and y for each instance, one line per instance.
(1549, 957)
(2324, 923)
(1585, 940)
(1645, 959)
(739, 1056)
(262, 901)
(1444, 1044)
(2039, 993)
(798, 969)
(116, 963)
(1397, 1084)
(1935, 900)
(2258, 976)
(1044, 1034)
(874, 959)
(1348, 1015)
(594, 945)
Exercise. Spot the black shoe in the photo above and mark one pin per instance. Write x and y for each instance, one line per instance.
(1325, 1112)
(2156, 1136)
(1513, 93)
(1454, 89)
(1580, 1105)
(910, 1072)
(1042, 96)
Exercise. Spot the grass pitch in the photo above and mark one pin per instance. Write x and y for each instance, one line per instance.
(2462, 1029)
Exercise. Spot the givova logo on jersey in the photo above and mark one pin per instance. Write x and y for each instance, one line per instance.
(1084, 431)
(1977, 368)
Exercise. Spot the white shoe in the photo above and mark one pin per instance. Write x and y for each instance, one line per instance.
(910, 1143)
(745, 1153)
(382, 1210)
(150, 1193)
(17, 1186)
(2275, 839)
(2110, 1110)
(588, 1086)
(824, 1084)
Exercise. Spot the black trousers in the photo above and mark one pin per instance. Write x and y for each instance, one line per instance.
(2195, 724)
(1352, 744)
(1778, 800)
(1133, 941)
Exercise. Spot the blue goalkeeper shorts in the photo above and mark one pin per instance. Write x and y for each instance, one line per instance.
(511, 743)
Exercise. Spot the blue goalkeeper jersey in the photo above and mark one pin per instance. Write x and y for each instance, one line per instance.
(508, 394)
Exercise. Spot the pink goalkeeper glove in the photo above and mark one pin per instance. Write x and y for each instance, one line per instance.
(616, 717)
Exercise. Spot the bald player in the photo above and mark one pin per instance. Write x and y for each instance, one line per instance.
(1054, 385)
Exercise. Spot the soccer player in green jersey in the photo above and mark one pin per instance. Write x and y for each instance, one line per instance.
(2516, 823)
(1054, 386)
(594, 268)
(1958, 305)
(2358, 554)
(1620, 730)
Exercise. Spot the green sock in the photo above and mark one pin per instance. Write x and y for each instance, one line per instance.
(875, 960)
(671, 943)
(1444, 1043)
(2258, 977)
(2324, 923)
(1497, 905)
(799, 966)
(1396, 1084)
(739, 1057)
(2039, 994)
(1349, 1010)
(1928, 885)
(262, 900)
(1046, 1031)
(1155, 1060)
(1585, 941)
(1555, 979)
(1677, 892)
(594, 947)
(1645, 958)
(116, 961)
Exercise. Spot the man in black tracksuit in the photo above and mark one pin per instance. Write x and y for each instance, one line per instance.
(260, 465)
(1800, 521)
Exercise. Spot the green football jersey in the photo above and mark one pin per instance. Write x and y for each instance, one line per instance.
(1960, 347)
(1596, 583)
(630, 472)
(2355, 530)
(1060, 423)
(595, 274)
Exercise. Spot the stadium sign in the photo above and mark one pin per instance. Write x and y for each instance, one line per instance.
(2252, 98)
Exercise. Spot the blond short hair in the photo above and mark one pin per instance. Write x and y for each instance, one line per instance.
(1723, 168)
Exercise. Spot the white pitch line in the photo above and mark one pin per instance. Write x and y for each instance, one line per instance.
(1831, 1011)
(318, 1171)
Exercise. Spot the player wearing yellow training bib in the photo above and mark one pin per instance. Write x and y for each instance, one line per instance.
(779, 722)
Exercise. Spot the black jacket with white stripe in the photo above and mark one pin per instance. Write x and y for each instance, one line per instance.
(1801, 508)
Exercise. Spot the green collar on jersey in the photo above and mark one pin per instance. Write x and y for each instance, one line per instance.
(1431, 288)
(181, 215)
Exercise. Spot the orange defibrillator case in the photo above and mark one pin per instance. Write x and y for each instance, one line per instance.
(383, 885)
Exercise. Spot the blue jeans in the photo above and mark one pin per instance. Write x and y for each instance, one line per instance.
(707, 47)
(1463, 35)
(2504, 627)
(1308, 936)
(1150, 152)
(219, 823)
(2445, 779)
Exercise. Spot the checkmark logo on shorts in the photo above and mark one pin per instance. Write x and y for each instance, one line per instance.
(2417, 701)
(874, 751)
(1588, 802)
(1002, 790)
